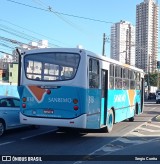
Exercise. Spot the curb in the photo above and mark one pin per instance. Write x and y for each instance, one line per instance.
(158, 118)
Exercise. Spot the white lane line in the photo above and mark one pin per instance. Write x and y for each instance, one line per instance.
(137, 134)
(154, 125)
(153, 135)
(24, 138)
(125, 140)
(148, 130)
(5, 143)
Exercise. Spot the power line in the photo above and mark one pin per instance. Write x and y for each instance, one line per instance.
(18, 34)
(35, 33)
(5, 53)
(60, 16)
(70, 15)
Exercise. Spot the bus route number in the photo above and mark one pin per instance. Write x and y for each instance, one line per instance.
(30, 99)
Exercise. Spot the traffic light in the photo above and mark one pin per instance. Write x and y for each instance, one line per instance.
(158, 64)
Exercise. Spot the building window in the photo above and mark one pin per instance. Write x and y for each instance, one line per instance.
(11, 65)
(10, 74)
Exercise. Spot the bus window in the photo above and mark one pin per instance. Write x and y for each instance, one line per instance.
(118, 77)
(93, 73)
(51, 66)
(125, 79)
(132, 80)
(111, 78)
(138, 83)
(33, 69)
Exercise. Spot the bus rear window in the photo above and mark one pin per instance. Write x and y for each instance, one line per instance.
(51, 66)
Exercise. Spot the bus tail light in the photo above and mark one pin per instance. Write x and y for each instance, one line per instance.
(75, 107)
(48, 91)
(23, 105)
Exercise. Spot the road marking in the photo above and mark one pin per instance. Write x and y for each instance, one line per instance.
(5, 143)
(125, 140)
(149, 130)
(24, 138)
(154, 125)
(110, 147)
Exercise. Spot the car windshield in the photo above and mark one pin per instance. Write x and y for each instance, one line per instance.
(55, 66)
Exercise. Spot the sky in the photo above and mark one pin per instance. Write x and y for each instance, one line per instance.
(64, 23)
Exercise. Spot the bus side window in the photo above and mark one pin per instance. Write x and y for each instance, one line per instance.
(138, 83)
(111, 78)
(125, 79)
(93, 73)
(118, 77)
(132, 80)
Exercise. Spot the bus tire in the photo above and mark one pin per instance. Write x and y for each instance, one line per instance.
(110, 121)
(136, 109)
(2, 127)
(131, 119)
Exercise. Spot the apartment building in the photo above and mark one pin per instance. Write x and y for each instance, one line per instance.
(147, 35)
(123, 42)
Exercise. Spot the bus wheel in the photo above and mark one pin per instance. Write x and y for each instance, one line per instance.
(131, 119)
(2, 128)
(110, 121)
(136, 110)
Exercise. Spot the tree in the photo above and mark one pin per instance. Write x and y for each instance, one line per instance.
(152, 79)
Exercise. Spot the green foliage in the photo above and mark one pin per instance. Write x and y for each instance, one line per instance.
(152, 79)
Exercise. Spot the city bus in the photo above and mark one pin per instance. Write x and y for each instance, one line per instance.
(76, 88)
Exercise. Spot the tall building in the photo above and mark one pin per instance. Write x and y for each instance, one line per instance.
(123, 42)
(147, 35)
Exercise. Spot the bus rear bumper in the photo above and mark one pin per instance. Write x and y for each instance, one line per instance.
(79, 122)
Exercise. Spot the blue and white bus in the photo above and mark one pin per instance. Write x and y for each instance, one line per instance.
(75, 88)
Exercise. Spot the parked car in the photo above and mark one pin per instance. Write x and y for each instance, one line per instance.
(157, 97)
(151, 96)
(9, 113)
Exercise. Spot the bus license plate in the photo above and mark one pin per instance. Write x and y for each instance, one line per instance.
(48, 111)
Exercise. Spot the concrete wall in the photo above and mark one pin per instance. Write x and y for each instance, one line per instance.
(8, 90)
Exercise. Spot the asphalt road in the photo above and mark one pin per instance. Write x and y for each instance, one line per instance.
(140, 137)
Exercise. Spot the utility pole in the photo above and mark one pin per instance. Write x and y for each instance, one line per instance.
(158, 79)
(158, 67)
(104, 41)
(148, 73)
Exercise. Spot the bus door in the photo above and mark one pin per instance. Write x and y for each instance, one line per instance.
(94, 95)
(104, 87)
